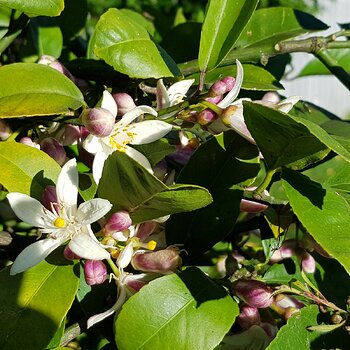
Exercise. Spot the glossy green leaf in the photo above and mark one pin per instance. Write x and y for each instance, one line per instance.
(283, 272)
(34, 304)
(294, 335)
(35, 89)
(223, 23)
(140, 19)
(187, 311)
(283, 23)
(281, 139)
(36, 7)
(316, 67)
(126, 45)
(323, 212)
(142, 194)
(220, 165)
(26, 169)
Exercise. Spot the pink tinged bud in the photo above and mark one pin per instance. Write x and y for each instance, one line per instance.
(95, 272)
(270, 329)
(124, 102)
(29, 142)
(254, 293)
(286, 301)
(251, 206)
(181, 155)
(146, 229)
(308, 263)
(49, 198)
(272, 97)
(54, 149)
(218, 88)
(69, 255)
(71, 134)
(160, 169)
(287, 250)
(62, 69)
(206, 116)
(5, 130)
(99, 121)
(118, 221)
(230, 83)
(248, 316)
(215, 99)
(163, 261)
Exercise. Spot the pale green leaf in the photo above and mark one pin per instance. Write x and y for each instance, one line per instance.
(49, 8)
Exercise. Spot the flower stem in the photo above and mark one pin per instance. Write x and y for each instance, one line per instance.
(113, 267)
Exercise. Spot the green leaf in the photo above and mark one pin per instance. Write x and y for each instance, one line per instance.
(142, 194)
(140, 19)
(223, 23)
(316, 67)
(36, 7)
(34, 304)
(87, 186)
(281, 139)
(310, 200)
(34, 89)
(26, 169)
(185, 311)
(126, 45)
(283, 272)
(220, 165)
(283, 23)
(294, 335)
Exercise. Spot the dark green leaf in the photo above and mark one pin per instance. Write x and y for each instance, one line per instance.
(283, 272)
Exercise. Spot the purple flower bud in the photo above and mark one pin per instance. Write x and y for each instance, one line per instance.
(163, 261)
(99, 121)
(248, 316)
(146, 229)
(308, 263)
(49, 198)
(54, 149)
(206, 116)
(29, 142)
(251, 206)
(254, 293)
(230, 83)
(287, 250)
(69, 255)
(118, 221)
(82, 84)
(124, 102)
(214, 100)
(270, 329)
(5, 130)
(181, 155)
(95, 272)
(71, 134)
(218, 88)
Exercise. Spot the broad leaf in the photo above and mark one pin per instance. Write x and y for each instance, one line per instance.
(26, 169)
(34, 89)
(186, 311)
(142, 194)
(36, 7)
(126, 45)
(323, 212)
(34, 304)
(224, 21)
(220, 165)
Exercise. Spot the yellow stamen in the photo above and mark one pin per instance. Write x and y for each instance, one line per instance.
(59, 222)
(151, 245)
(115, 253)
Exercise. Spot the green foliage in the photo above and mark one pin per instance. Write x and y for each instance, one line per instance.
(35, 7)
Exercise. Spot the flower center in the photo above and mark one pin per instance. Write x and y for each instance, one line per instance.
(59, 222)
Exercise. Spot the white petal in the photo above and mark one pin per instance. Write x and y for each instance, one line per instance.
(93, 144)
(163, 100)
(85, 245)
(133, 114)
(148, 131)
(125, 256)
(97, 166)
(67, 185)
(91, 211)
(100, 317)
(287, 104)
(217, 126)
(178, 91)
(232, 95)
(34, 254)
(29, 210)
(109, 103)
(139, 157)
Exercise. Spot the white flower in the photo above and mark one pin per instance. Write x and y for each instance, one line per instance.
(125, 132)
(64, 223)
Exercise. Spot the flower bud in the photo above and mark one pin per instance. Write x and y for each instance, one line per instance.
(206, 116)
(230, 83)
(270, 329)
(5, 130)
(146, 229)
(271, 97)
(124, 102)
(69, 255)
(118, 221)
(248, 316)
(54, 149)
(214, 100)
(95, 272)
(29, 142)
(251, 206)
(218, 88)
(49, 198)
(163, 261)
(308, 263)
(181, 155)
(71, 134)
(254, 293)
(287, 250)
(57, 65)
(99, 121)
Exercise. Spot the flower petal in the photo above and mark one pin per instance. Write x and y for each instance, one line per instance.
(163, 100)
(139, 157)
(133, 114)
(178, 91)
(232, 95)
(34, 254)
(148, 131)
(97, 166)
(30, 210)
(125, 256)
(85, 245)
(93, 144)
(67, 185)
(287, 104)
(109, 103)
(91, 211)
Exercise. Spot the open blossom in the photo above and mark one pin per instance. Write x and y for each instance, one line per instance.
(125, 132)
(65, 222)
